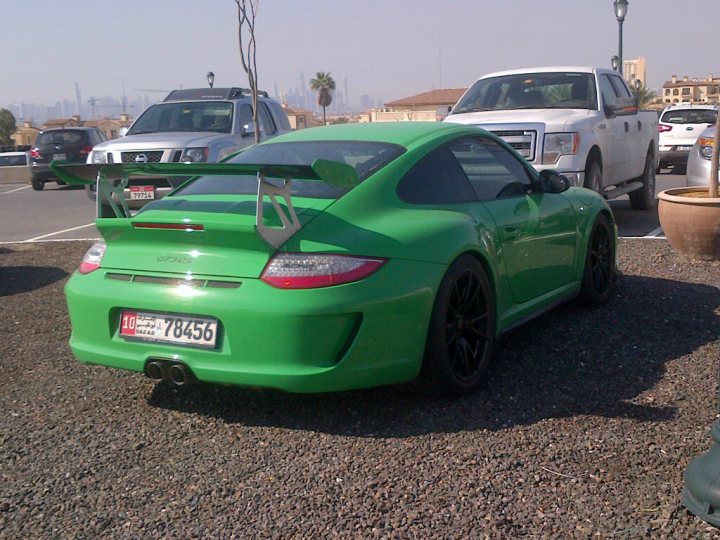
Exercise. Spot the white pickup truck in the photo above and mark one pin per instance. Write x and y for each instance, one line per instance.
(580, 121)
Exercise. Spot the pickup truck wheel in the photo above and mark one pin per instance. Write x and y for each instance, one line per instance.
(599, 274)
(644, 198)
(593, 177)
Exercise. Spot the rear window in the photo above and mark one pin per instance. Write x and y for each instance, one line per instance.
(365, 157)
(61, 137)
(689, 116)
(212, 116)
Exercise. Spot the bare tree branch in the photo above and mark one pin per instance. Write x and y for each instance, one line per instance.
(247, 11)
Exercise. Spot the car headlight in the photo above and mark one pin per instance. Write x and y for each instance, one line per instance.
(195, 155)
(705, 147)
(558, 144)
(98, 157)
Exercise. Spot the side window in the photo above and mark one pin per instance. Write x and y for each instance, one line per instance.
(493, 171)
(280, 116)
(608, 91)
(620, 87)
(436, 179)
(266, 121)
(245, 116)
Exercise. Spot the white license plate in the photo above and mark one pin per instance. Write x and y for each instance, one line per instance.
(169, 328)
(683, 147)
(59, 157)
(138, 193)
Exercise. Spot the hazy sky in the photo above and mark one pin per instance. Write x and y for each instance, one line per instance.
(386, 48)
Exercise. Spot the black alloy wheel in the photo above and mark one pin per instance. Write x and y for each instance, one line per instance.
(462, 331)
(599, 276)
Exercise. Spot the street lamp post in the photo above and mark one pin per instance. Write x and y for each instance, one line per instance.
(210, 78)
(621, 7)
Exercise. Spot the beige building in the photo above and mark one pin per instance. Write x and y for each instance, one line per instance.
(688, 90)
(299, 118)
(428, 106)
(635, 70)
(25, 134)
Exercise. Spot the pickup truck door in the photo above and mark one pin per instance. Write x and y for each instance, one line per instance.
(637, 141)
(616, 158)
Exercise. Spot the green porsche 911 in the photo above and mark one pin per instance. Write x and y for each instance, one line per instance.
(335, 258)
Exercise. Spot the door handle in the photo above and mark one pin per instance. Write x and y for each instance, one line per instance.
(627, 127)
(639, 125)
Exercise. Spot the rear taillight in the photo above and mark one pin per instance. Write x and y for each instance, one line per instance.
(85, 151)
(93, 257)
(314, 270)
(35, 153)
(662, 128)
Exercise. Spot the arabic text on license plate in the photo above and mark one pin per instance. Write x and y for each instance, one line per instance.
(169, 328)
(59, 157)
(142, 192)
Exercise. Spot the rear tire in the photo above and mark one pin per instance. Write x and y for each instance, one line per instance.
(461, 334)
(644, 198)
(37, 184)
(599, 275)
(593, 178)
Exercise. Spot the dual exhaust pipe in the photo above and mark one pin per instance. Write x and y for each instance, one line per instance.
(175, 372)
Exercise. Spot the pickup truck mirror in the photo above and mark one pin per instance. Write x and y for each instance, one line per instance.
(248, 129)
(623, 106)
(553, 182)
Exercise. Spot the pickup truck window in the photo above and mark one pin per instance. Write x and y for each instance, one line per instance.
(609, 94)
(563, 90)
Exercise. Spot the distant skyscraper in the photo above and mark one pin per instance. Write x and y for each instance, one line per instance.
(347, 95)
(78, 99)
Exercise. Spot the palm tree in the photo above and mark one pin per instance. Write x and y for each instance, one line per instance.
(323, 84)
(644, 95)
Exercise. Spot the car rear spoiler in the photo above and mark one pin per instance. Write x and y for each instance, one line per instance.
(112, 179)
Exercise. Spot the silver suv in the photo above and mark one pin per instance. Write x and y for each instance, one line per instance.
(193, 125)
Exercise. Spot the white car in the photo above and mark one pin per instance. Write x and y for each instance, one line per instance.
(679, 127)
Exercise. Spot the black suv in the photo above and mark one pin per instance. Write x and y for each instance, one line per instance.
(62, 144)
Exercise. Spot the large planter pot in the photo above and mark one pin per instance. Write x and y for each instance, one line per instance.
(691, 222)
(701, 494)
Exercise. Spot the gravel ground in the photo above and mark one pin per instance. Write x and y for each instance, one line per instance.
(585, 429)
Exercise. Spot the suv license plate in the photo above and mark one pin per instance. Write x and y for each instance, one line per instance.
(169, 328)
(138, 193)
(59, 157)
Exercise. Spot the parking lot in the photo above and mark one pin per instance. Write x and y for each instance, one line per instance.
(65, 213)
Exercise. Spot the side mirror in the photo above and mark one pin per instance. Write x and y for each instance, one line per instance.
(248, 129)
(623, 106)
(553, 182)
(123, 131)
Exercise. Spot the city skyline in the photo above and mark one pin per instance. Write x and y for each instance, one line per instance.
(381, 50)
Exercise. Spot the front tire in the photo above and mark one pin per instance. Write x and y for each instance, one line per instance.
(593, 178)
(644, 198)
(599, 275)
(461, 334)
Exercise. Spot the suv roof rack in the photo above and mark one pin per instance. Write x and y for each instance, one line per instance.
(210, 93)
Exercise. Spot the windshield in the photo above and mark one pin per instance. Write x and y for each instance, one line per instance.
(195, 116)
(365, 157)
(530, 91)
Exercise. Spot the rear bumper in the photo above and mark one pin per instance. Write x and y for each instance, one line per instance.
(364, 334)
(673, 156)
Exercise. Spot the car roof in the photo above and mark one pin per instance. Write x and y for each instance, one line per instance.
(402, 133)
(548, 69)
(689, 106)
(211, 94)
